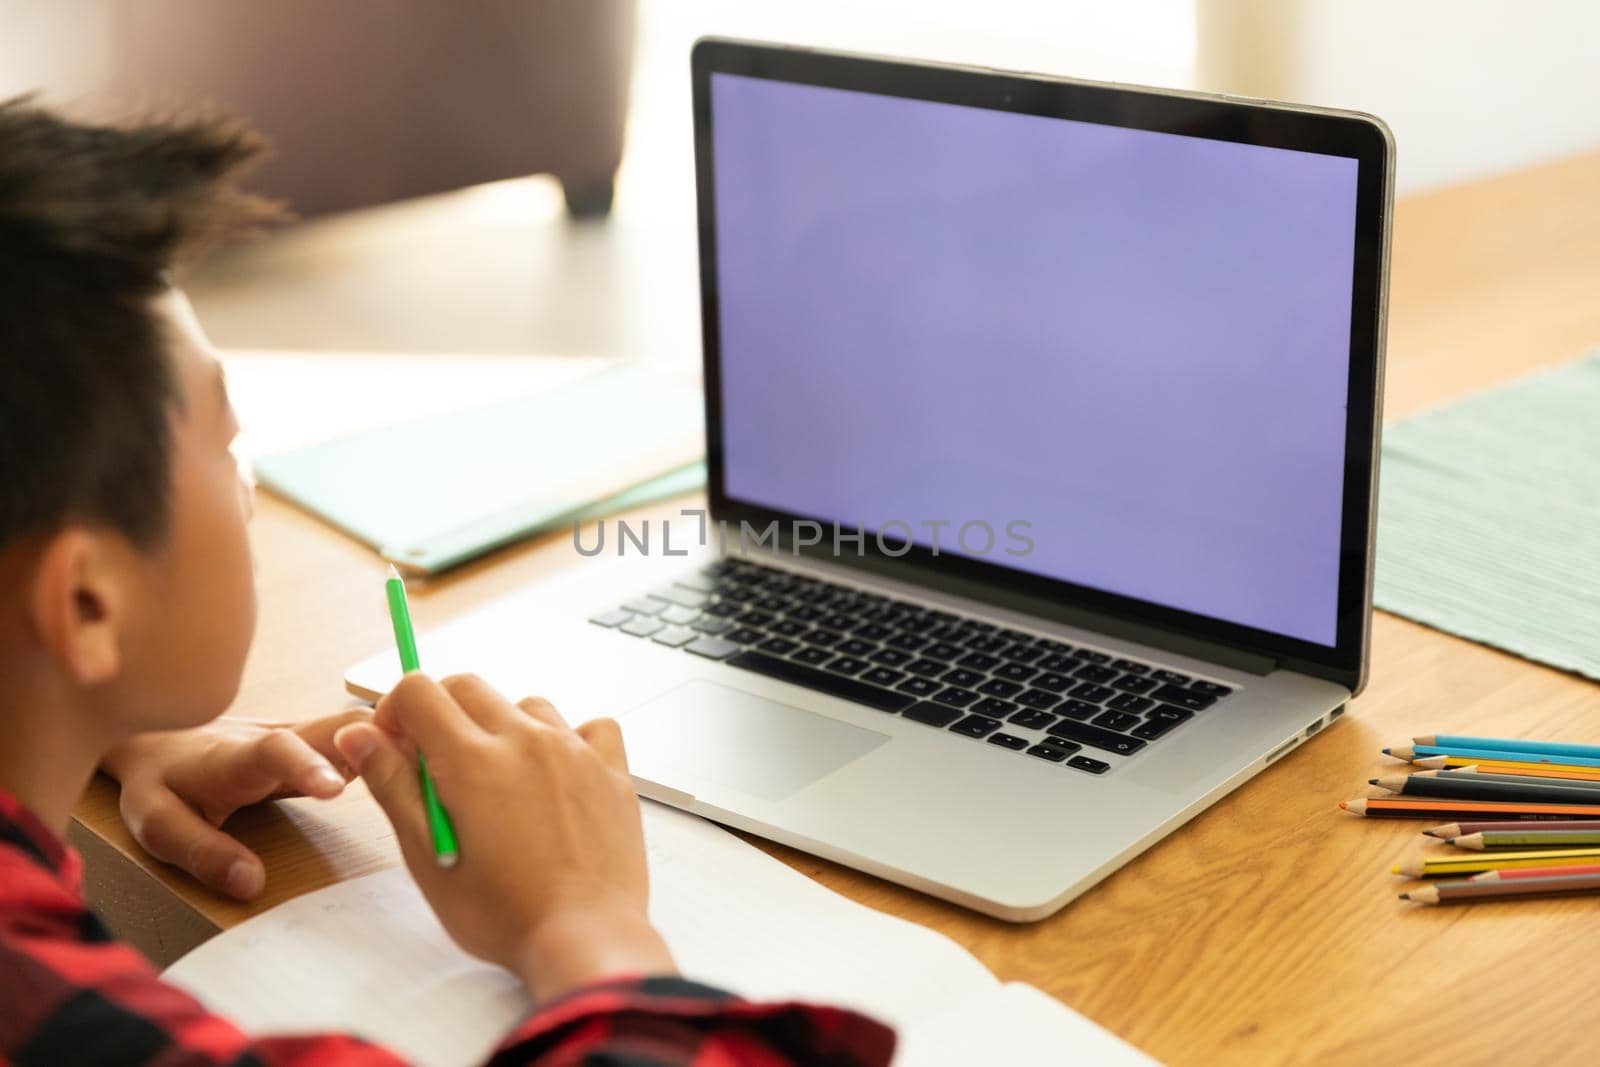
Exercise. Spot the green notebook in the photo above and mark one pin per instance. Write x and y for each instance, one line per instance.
(431, 493)
(1489, 518)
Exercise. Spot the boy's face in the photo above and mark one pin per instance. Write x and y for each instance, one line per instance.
(196, 613)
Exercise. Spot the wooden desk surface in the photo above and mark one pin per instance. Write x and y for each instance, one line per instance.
(1266, 931)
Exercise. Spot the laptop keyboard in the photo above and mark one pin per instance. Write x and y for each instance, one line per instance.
(1016, 690)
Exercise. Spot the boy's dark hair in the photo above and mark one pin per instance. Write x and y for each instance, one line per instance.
(93, 219)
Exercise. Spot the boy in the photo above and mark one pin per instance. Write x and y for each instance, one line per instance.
(127, 606)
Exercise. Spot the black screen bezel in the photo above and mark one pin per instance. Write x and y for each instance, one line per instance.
(1343, 134)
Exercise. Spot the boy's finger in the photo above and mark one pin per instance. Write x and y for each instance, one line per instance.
(420, 708)
(541, 709)
(283, 761)
(174, 833)
(318, 733)
(605, 737)
(481, 701)
(391, 776)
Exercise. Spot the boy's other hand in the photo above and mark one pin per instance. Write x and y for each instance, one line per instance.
(178, 787)
(551, 881)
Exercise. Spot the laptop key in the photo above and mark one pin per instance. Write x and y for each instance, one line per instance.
(1095, 673)
(778, 646)
(1063, 745)
(1085, 763)
(805, 613)
(926, 668)
(1049, 752)
(1092, 657)
(890, 657)
(676, 594)
(955, 696)
(1053, 647)
(674, 636)
(855, 647)
(1117, 720)
(847, 665)
(788, 628)
(1093, 693)
(918, 687)
(1129, 702)
(1078, 709)
(986, 643)
(976, 726)
(755, 618)
(1059, 664)
(645, 605)
(907, 642)
(678, 616)
(838, 621)
(642, 626)
(823, 638)
(1151, 729)
(813, 656)
(1170, 677)
(873, 631)
(1184, 698)
(1038, 698)
(991, 706)
(882, 676)
(698, 582)
(1133, 683)
(1055, 683)
(932, 714)
(1130, 666)
(978, 661)
(1016, 672)
(1095, 737)
(711, 647)
(1210, 689)
(710, 624)
(942, 650)
(724, 609)
(1023, 653)
(1033, 719)
(963, 677)
(1010, 741)
(997, 687)
(745, 635)
(1170, 713)
(611, 618)
(821, 681)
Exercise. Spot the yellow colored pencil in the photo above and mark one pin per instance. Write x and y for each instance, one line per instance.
(1490, 766)
(1455, 863)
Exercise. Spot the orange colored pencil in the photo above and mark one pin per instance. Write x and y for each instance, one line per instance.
(1553, 770)
(1570, 774)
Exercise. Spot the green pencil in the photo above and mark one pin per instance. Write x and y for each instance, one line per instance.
(444, 834)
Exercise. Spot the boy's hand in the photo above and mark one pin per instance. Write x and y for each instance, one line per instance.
(179, 786)
(551, 881)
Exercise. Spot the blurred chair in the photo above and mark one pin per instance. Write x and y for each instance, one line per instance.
(369, 101)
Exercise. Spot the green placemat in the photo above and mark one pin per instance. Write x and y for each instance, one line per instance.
(1489, 518)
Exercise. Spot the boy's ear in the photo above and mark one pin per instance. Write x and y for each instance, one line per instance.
(76, 604)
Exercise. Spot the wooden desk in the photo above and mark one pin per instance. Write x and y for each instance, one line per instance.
(1266, 931)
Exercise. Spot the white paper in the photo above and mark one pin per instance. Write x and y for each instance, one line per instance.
(367, 956)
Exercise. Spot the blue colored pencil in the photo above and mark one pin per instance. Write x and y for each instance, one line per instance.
(1412, 752)
(1501, 744)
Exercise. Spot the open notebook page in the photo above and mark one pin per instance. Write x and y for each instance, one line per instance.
(368, 956)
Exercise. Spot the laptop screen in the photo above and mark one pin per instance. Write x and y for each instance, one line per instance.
(1108, 356)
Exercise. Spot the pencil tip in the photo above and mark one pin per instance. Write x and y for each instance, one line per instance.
(1372, 781)
(1405, 896)
(394, 572)
(1386, 752)
(1449, 840)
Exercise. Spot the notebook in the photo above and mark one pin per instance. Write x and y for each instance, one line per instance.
(434, 491)
(1489, 518)
(367, 956)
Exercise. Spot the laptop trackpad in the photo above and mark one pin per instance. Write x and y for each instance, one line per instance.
(703, 731)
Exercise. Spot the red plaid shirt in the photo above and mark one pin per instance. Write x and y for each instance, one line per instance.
(71, 994)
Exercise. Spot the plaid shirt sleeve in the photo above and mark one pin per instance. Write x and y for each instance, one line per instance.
(71, 994)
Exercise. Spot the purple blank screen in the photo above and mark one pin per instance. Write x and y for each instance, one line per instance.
(1135, 342)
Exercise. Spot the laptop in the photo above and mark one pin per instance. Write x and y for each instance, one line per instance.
(1042, 424)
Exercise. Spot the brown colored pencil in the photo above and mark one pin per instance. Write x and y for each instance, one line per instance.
(1430, 808)
(1472, 889)
(1462, 829)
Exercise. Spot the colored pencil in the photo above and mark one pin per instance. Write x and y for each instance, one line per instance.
(1454, 863)
(1473, 774)
(1462, 829)
(1536, 872)
(1409, 754)
(1426, 808)
(1505, 744)
(1495, 840)
(1471, 889)
(405, 639)
(1467, 788)
(1453, 764)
